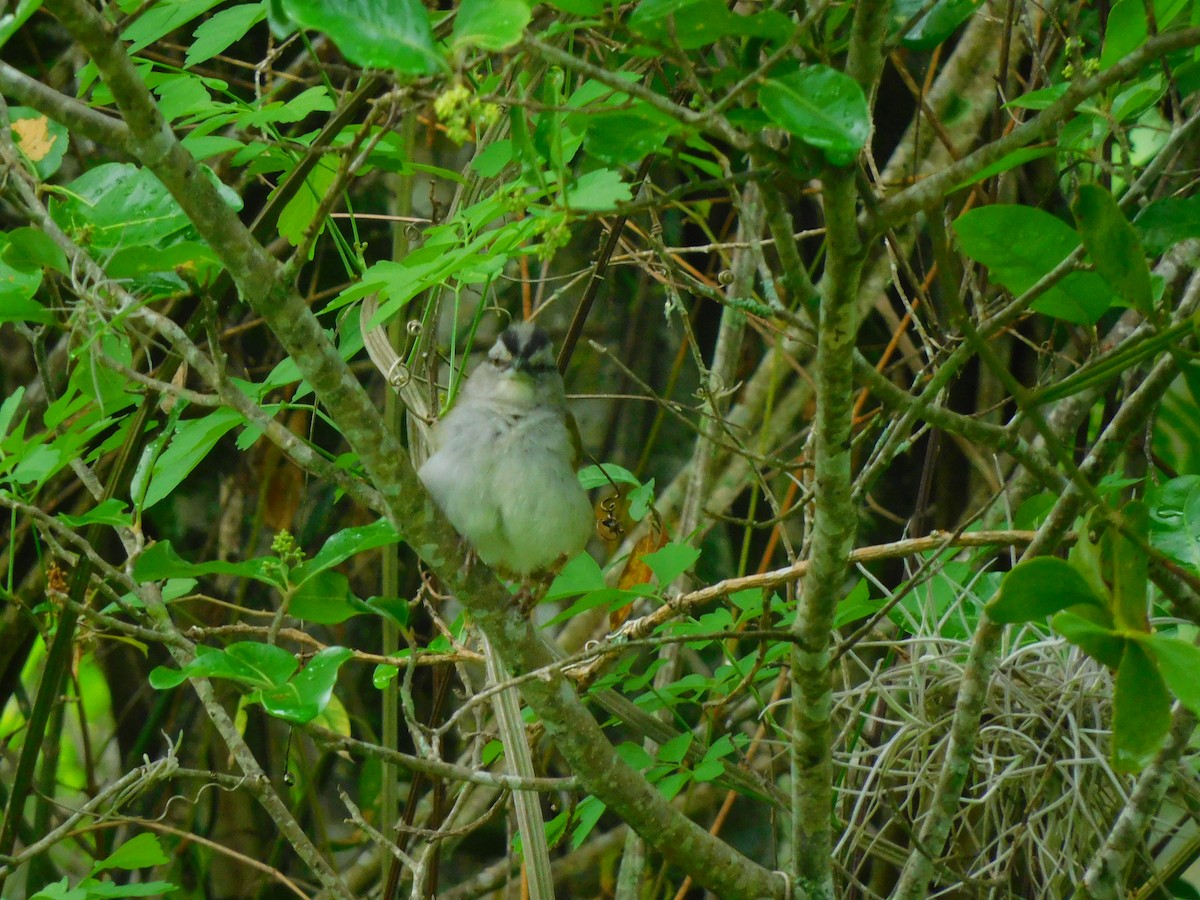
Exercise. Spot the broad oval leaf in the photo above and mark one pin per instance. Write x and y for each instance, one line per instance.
(823, 107)
(1021, 244)
(1038, 588)
(1179, 664)
(1113, 245)
(1097, 640)
(490, 24)
(41, 140)
(1175, 519)
(384, 34)
(1164, 224)
(304, 697)
(932, 28)
(1141, 710)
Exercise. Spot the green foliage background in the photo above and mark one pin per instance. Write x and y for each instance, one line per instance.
(880, 318)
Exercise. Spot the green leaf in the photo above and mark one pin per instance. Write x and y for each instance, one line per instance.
(1089, 629)
(1175, 519)
(303, 698)
(579, 576)
(690, 24)
(1113, 245)
(193, 258)
(194, 439)
(297, 214)
(587, 815)
(1141, 710)
(675, 750)
(12, 21)
(17, 288)
(160, 561)
(489, 24)
(1006, 162)
(108, 512)
(1124, 31)
(624, 137)
(31, 250)
(326, 599)
(1178, 663)
(208, 663)
(268, 664)
(598, 191)
(1038, 588)
(381, 34)
(671, 561)
(491, 160)
(580, 7)
(1131, 569)
(41, 140)
(161, 19)
(118, 205)
(1164, 224)
(217, 33)
(1021, 244)
(345, 544)
(596, 476)
(823, 107)
(139, 852)
(941, 21)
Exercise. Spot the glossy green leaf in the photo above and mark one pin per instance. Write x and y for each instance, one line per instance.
(1141, 710)
(1038, 588)
(823, 107)
(1113, 245)
(31, 249)
(489, 24)
(1020, 245)
(936, 25)
(690, 24)
(1090, 629)
(623, 137)
(214, 35)
(345, 544)
(304, 697)
(1175, 519)
(40, 140)
(325, 599)
(209, 662)
(1179, 664)
(382, 34)
(1125, 31)
(267, 663)
(1164, 224)
(160, 561)
(609, 473)
(139, 852)
(118, 205)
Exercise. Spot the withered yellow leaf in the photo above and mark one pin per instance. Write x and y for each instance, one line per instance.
(34, 138)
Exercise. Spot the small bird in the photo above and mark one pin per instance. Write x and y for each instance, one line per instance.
(504, 458)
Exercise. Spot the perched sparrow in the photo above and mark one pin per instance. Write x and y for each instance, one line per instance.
(504, 459)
